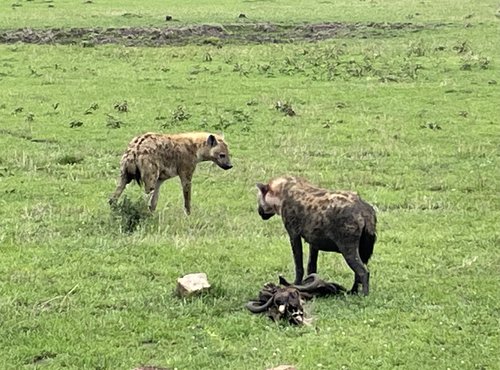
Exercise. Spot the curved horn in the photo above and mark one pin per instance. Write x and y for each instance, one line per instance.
(253, 306)
(311, 283)
(283, 281)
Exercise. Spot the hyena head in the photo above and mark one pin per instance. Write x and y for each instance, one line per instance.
(218, 152)
(269, 199)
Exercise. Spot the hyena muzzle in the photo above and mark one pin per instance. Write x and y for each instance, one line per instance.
(335, 221)
(152, 158)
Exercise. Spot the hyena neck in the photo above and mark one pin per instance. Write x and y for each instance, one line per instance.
(202, 151)
(275, 200)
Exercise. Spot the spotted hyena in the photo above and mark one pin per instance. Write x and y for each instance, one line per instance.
(152, 158)
(336, 221)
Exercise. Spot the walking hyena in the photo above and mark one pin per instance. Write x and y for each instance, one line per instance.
(153, 158)
(336, 221)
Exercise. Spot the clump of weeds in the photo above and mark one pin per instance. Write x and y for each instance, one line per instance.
(162, 120)
(431, 125)
(285, 108)
(207, 57)
(462, 47)
(410, 70)
(243, 70)
(291, 66)
(34, 72)
(223, 123)
(130, 214)
(30, 117)
(113, 122)
(75, 123)
(178, 115)
(327, 124)
(416, 48)
(240, 118)
(197, 70)
(121, 107)
(215, 41)
(472, 61)
(93, 107)
(265, 69)
(69, 159)
(236, 118)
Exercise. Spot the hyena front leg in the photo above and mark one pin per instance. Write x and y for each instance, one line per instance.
(296, 242)
(186, 178)
(151, 187)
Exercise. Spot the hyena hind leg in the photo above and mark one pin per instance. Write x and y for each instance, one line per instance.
(122, 181)
(361, 274)
(155, 195)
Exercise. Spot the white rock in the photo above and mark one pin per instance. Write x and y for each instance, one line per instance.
(284, 367)
(192, 283)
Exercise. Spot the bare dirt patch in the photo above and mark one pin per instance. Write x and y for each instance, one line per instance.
(206, 34)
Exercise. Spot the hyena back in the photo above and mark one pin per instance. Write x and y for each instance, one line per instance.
(335, 221)
(152, 158)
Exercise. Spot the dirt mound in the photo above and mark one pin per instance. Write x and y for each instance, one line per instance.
(202, 34)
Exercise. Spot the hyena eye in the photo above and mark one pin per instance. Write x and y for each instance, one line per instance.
(222, 155)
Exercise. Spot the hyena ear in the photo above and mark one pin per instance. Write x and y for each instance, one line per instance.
(211, 141)
(262, 187)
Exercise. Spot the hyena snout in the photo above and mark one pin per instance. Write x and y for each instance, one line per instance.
(224, 162)
(266, 215)
(226, 166)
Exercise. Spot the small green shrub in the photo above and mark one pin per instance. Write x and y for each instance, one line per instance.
(129, 214)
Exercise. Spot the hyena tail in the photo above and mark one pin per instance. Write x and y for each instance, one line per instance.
(367, 241)
(131, 171)
(135, 176)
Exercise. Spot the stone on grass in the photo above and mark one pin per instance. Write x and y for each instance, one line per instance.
(283, 367)
(192, 284)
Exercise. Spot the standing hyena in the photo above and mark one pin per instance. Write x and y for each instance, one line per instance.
(336, 221)
(153, 158)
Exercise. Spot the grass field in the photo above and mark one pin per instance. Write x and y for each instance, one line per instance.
(408, 118)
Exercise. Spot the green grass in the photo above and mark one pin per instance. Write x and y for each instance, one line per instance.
(409, 120)
(105, 13)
